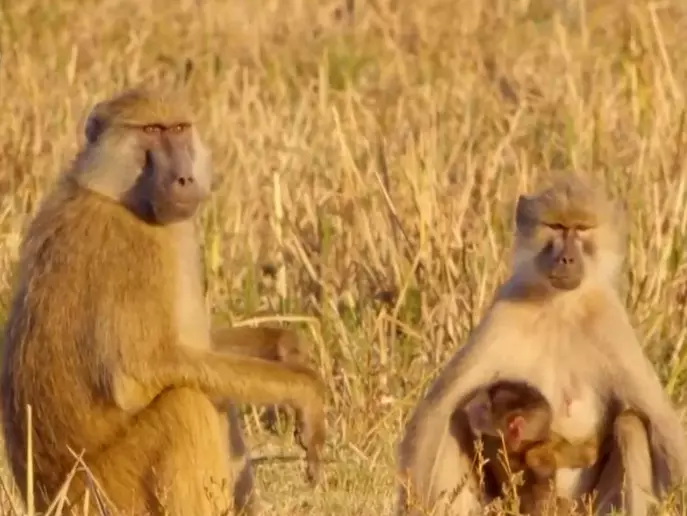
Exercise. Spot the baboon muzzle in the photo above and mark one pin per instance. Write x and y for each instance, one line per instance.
(561, 262)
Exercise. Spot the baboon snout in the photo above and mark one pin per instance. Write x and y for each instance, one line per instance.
(183, 189)
(560, 262)
(566, 259)
(184, 180)
(178, 192)
(567, 268)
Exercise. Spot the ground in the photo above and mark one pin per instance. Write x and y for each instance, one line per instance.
(368, 156)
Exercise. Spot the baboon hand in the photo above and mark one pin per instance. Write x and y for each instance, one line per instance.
(542, 461)
(310, 434)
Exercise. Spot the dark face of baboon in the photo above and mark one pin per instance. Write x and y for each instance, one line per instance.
(560, 256)
(171, 180)
(561, 259)
(558, 233)
(167, 188)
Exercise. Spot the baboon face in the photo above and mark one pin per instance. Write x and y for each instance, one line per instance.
(168, 182)
(566, 234)
(148, 155)
(561, 259)
(561, 253)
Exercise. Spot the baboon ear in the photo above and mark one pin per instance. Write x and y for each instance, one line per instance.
(524, 212)
(515, 429)
(522, 204)
(95, 126)
(478, 411)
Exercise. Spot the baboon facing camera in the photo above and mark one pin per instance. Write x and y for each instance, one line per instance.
(109, 341)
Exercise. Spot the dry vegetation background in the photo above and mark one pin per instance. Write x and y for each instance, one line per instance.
(372, 153)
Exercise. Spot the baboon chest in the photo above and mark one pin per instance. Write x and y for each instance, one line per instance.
(192, 319)
(578, 410)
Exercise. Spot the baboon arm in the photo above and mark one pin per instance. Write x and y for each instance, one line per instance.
(267, 343)
(636, 383)
(633, 443)
(238, 379)
(489, 352)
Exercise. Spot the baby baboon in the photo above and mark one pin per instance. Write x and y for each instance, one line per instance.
(108, 337)
(513, 420)
(558, 322)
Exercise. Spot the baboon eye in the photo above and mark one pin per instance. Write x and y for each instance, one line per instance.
(152, 128)
(556, 227)
(178, 128)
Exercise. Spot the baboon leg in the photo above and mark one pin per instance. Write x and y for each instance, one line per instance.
(625, 481)
(245, 503)
(609, 486)
(194, 476)
(172, 460)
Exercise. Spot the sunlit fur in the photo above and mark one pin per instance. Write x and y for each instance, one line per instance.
(104, 165)
(108, 338)
(136, 107)
(571, 201)
(576, 344)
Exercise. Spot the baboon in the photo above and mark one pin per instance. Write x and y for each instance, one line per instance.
(513, 421)
(557, 322)
(108, 338)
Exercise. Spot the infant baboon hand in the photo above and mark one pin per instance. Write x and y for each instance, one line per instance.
(590, 453)
(310, 434)
(542, 461)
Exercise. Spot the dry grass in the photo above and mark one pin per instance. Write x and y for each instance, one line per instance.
(396, 141)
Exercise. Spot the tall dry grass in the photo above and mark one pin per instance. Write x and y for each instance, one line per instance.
(375, 153)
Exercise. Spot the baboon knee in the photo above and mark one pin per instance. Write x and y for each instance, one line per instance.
(193, 401)
(629, 427)
(186, 413)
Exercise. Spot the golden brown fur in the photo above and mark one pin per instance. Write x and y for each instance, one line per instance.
(513, 421)
(108, 336)
(268, 343)
(558, 323)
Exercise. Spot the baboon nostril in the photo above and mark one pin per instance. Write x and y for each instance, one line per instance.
(183, 181)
